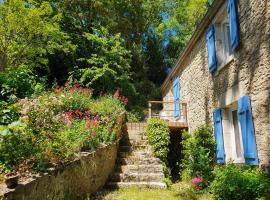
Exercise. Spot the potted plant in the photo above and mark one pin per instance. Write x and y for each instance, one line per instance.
(11, 179)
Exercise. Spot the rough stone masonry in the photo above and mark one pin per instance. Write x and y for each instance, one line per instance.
(248, 73)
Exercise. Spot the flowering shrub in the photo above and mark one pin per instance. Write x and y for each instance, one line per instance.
(57, 125)
(198, 155)
(196, 182)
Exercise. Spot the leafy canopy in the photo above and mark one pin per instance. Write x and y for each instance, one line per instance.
(29, 32)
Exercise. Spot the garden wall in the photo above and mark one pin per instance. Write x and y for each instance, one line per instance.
(75, 180)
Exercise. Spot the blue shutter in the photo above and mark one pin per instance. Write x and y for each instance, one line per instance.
(176, 95)
(233, 21)
(212, 58)
(217, 118)
(247, 130)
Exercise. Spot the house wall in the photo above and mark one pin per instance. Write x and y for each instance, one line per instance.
(247, 74)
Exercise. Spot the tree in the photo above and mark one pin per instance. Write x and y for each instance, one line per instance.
(108, 65)
(28, 33)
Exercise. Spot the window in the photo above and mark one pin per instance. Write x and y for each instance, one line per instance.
(223, 44)
(236, 137)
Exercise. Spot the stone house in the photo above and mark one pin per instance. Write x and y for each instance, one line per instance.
(223, 75)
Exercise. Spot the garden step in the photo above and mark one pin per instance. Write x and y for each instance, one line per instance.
(134, 137)
(139, 168)
(114, 185)
(136, 126)
(135, 132)
(139, 154)
(131, 160)
(136, 177)
(133, 143)
(129, 148)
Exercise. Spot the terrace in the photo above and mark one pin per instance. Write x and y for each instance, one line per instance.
(169, 111)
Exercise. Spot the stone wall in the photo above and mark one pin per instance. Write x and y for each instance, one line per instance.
(75, 180)
(83, 176)
(247, 74)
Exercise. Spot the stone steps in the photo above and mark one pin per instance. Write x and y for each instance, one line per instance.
(140, 154)
(136, 161)
(129, 148)
(136, 164)
(136, 184)
(139, 168)
(136, 177)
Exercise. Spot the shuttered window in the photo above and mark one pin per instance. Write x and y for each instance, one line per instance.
(233, 21)
(212, 58)
(217, 118)
(247, 129)
(176, 95)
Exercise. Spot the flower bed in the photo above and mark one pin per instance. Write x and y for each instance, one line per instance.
(54, 127)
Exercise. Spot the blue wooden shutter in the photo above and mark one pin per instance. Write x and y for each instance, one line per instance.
(212, 58)
(247, 130)
(176, 95)
(217, 118)
(233, 21)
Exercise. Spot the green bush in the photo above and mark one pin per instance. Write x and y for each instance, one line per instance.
(158, 134)
(55, 126)
(20, 83)
(198, 154)
(136, 114)
(239, 182)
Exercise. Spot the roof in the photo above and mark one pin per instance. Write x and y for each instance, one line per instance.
(201, 29)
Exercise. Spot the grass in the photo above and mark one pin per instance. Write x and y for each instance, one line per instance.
(179, 191)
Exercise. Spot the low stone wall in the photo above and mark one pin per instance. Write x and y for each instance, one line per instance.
(75, 180)
(83, 176)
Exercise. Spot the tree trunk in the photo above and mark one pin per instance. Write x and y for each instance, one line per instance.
(3, 61)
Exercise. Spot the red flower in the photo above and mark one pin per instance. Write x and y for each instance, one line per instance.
(94, 134)
(69, 115)
(77, 85)
(96, 118)
(117, 93)
(78, 113)
(88, 112)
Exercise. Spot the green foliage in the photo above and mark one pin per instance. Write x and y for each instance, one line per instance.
(16, 144)
(238, 182)
(136, 114)
(20, 83)
(108, 65)
(198, 154)
(158, 134)
(29, 33)
(56, 126)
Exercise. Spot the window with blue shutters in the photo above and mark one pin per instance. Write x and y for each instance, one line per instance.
(176, 96)
(247, 129)
(218, 130)
(233, 21)
(222, 37)
(212, 59)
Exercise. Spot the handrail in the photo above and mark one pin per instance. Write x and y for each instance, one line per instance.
(183, 109)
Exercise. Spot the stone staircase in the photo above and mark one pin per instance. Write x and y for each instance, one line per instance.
(136, 164)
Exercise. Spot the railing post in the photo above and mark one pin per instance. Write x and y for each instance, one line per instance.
(185, 111)
(150, 109)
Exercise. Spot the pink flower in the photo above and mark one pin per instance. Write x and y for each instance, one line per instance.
(117, 93)
(25, 110)
(96, 118)
(88, 112)
(196, 181)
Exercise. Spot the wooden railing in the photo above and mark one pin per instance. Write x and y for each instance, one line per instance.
(165, 110)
